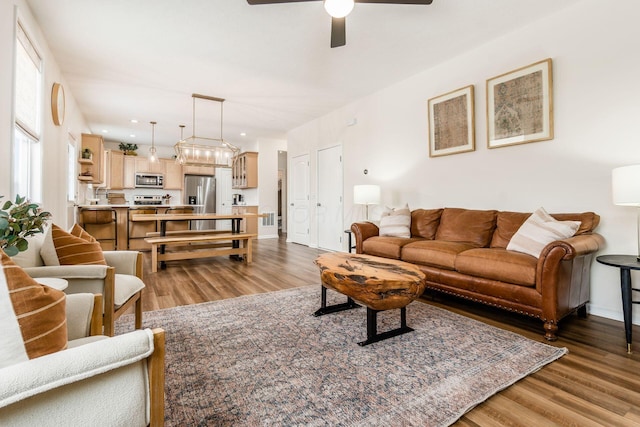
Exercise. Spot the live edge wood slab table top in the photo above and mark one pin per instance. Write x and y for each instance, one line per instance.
(378, 283)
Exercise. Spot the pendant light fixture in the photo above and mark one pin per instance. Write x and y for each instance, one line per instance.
(200, 151)
(152, 150)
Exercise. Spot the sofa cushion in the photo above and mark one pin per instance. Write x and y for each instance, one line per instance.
(31, 257)
(72, 250)
(395, 222)
(437, 253)
(507, 224)
(386, 246)
(126, 286)
(424, 223)
(466, 225)
(39, 309)
(538, 231)
(498, 264)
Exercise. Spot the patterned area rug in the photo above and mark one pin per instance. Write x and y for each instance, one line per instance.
(265, 360)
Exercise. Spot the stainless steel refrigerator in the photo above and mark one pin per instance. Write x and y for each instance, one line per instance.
(200, 190)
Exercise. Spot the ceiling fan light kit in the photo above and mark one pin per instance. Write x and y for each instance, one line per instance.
(339, 9)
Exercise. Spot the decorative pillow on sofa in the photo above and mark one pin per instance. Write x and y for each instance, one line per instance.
(396, 222)
(538, 231)
(73, 250)
(40, 312)
(80, 232)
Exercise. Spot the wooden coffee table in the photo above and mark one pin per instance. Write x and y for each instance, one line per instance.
(378, 283)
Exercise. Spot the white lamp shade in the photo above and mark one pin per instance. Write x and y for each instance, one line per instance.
(366, 194)
(625, 185)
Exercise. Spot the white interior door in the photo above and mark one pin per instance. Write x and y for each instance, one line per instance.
(223, 196)
(299, 204)
(329, 204)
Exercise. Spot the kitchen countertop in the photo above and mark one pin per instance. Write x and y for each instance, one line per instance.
(131, 205)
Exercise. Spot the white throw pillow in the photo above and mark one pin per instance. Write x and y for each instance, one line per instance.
(396, 222)
(48, 249)
(12, 349)
(538, 231)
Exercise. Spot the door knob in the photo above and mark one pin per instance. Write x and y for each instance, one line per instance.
(318, 204)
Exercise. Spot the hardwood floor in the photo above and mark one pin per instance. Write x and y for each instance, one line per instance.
(596, 384)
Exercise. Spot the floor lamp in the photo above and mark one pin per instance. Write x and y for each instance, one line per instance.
(625, 184)
(366, 195)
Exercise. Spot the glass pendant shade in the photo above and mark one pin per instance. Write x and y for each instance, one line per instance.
(338, 8)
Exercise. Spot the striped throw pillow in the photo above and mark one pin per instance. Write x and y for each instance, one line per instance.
(40, 310)
(72, 250)
(396, 222)
(538, 231)
(80, 232)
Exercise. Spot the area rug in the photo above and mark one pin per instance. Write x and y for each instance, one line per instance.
(265, 360)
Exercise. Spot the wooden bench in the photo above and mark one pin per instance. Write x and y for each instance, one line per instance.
(201, 247)
(187, 233)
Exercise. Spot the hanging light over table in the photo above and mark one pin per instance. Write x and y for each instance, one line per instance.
(199, 150)
(152, 150)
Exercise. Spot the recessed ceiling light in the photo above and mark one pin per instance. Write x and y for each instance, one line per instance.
(105, 131)
(243, 134)
(134, 121)
(132, 136)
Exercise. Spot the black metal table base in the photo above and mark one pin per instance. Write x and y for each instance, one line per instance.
(372, 319)
(324, 309)
(372, 327)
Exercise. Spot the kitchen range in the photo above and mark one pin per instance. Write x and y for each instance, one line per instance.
(147, 200)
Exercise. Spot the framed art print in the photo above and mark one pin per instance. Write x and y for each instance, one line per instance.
(451, 123)
(520, 106)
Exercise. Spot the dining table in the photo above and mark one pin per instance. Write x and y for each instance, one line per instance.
(164, 218)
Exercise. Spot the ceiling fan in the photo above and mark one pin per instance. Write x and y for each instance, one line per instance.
(339, 9)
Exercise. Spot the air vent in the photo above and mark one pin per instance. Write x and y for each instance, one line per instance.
(269, 220)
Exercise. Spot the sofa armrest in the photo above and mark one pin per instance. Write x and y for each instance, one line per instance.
(79, 309)
(582, 244)
(69, 271)
(362, 231)
(42, 374)
(125, 262)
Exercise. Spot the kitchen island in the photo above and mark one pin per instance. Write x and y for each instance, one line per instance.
(113, 228)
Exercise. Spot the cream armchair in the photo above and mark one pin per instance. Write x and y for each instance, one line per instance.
(120, 282)
(117, 381)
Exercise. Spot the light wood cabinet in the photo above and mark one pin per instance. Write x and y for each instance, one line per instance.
(198, 170)
(173, 177)
(247, 225)
(129, 172)
(244, 172)
(115, 171)
(92, 170)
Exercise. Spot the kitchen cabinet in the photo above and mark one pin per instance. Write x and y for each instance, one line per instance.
(115, 170)
(144, 165)
(173, 177)
(247, 225)
(198, 170)
(92, 170)
(129, 172)
(244, 172)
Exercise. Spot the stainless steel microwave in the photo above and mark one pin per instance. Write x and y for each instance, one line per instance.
(149, 180)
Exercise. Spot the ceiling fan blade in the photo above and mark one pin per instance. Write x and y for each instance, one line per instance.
(256, 2)
(338, 32)
(424, 2)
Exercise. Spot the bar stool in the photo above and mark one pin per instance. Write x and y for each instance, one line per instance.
(101, 223)
(179, 225)
(137, 230)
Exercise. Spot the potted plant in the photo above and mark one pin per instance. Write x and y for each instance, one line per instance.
(18, 220)
(128, 149)
(86, 153)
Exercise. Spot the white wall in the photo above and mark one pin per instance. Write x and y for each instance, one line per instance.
(54, 138)
(593, 45)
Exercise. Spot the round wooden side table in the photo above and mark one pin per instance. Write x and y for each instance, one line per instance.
(625, 263)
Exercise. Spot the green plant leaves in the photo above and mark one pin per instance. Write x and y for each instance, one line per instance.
(18, 220)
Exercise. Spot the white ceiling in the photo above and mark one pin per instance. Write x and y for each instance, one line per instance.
(143, 59)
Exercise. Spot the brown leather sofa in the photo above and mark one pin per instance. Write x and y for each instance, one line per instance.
(463, 252)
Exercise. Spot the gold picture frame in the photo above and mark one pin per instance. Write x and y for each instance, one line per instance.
(452, 123)
(520, 106)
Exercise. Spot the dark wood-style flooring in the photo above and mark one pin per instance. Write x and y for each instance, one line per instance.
(596, 384)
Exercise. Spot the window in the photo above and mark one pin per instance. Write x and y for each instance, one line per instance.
(27, 151)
